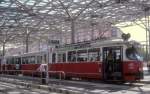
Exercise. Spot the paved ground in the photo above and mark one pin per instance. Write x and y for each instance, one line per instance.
(95, 88)
(146, 75)
(7, 88)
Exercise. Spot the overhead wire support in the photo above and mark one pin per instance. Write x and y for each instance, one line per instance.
(147, 25)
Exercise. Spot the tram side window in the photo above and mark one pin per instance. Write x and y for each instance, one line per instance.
(39, 59)
(53, 57)
(14, 60)
(23, 60)
(31, 60)
(26, 60)
(45, 58)
(10, 60)
(17, 60)
(94, 54)
(72, 56)
(7, 61)
(61, 57)
(82, 55)
(64, 57)
(118, 55)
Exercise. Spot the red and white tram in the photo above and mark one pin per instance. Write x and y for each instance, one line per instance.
(108, 60)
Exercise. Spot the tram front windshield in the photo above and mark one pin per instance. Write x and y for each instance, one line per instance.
(133, 53)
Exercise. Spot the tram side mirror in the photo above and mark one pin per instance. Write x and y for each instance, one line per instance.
(126, 37)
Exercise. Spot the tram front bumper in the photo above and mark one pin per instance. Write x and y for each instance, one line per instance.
(134, 76)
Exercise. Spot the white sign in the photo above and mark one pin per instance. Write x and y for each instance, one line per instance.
(54, 42)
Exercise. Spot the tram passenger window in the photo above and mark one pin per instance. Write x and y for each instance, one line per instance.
(45, 58)
(94, 54)
(7, 61)
(17, 60)
(118, 55)
(64, 57)
(82, 55)
(31, 60)
(71, 56)
(59, 58)
(39, 59)
(53, 57)
(12, 61)
(26, 60)
(23, 60)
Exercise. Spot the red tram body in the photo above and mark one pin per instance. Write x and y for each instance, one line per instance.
(87, 60)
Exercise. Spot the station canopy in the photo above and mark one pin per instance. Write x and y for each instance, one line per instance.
(46, 19)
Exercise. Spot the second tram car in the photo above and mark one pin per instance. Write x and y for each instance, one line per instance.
(108, 60)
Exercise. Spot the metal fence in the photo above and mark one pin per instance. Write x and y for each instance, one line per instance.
(32, 76)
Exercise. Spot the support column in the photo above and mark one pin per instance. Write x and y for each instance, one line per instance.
(72, 31)
(148, 29)
(147, 25)
(4, 48)
(27, 40)
(146, 38)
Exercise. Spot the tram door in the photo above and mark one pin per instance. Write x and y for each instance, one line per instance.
(112, 63)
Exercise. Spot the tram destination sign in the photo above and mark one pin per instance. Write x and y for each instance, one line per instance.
(53, 42)
(75, 46)
(85, 45)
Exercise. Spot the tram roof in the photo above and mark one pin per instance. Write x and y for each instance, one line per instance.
(26, 54)
(99, 42)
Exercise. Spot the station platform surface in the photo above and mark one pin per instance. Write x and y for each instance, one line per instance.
(83, 87)
(146, 76)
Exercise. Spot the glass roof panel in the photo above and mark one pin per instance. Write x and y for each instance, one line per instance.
(58, 14)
